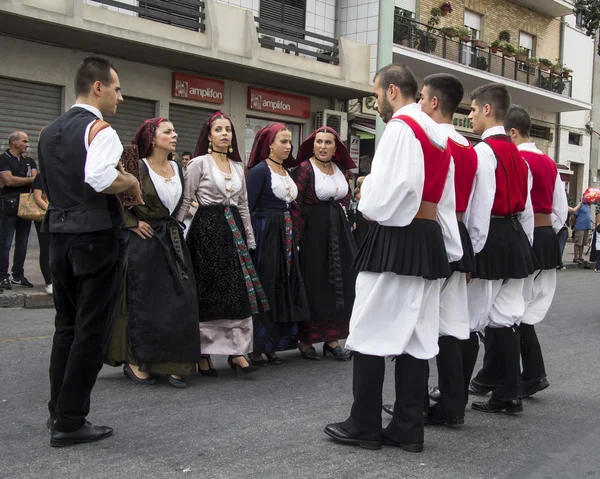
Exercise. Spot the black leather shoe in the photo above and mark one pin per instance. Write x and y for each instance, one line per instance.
(310, 354)
(261, 363)
(131, 375)
(86, 433)
(274, 359)
(339, 434)
(50, 423)
(478, 390)
(495, 405)
(177, 382)
(436, 418)
(434, 394)
(389, 408)
(410, 447)
(337, 352)
(529, 389)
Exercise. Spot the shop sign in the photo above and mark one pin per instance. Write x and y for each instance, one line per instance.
(276, 102)
(354, 149)
(462, 123)
(196, 88)
(368, 106)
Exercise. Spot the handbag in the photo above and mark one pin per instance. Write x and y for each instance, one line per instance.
(29, 209)
(9, 206)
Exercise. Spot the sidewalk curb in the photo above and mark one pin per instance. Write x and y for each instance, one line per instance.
(37, 300)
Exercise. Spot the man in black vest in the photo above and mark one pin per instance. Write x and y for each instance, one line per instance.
(81, 177)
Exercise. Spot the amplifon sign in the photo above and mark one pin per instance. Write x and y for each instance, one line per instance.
(276, 102)
(198, 88)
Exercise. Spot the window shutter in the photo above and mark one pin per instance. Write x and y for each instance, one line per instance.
(408, 5)
(473, 20)
(526, 41)
(284, 12)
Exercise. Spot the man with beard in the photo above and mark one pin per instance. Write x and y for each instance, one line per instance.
(409, 196)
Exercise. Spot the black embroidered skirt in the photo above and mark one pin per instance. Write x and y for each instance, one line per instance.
(221, 286)
(507, 253)
(546, 249)
(467, 263)
(414, 250)
(327, 250)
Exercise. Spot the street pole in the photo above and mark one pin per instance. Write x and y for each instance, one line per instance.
(384, 48)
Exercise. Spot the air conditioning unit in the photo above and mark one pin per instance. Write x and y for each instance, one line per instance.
(338, 120)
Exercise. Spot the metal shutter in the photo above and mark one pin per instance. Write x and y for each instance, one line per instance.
(28, 107)
(284, 12)
(408, 5)
(188, 122)
(130, 115)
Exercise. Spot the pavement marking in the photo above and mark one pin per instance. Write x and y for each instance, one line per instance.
(23, 339)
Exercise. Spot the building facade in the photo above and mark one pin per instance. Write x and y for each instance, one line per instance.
(257, 60)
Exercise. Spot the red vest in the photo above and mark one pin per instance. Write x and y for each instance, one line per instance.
(436, 160)
(465, 167)
(511, 177)
(544, 171)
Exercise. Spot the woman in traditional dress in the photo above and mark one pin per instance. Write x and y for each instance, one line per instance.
(327, 248)
(220, 236)
(156, 328)
(271, 191)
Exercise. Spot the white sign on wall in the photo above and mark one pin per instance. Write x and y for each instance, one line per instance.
(354, 149)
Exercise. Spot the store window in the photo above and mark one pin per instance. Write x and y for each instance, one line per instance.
(254, 125)
(575, 139)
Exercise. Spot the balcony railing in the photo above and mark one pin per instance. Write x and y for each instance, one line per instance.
(294, 41)
(432, 41)
(188, 14)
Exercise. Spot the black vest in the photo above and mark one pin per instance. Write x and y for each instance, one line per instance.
(75, 207)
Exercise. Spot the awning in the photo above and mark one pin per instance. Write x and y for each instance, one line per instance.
(368, 133)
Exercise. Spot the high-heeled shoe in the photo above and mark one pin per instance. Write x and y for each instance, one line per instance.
(235, 366)
(128, 372)
(211, 371)
(338, 353)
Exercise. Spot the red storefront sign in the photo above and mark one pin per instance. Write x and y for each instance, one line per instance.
(198, 88)
(276, 102)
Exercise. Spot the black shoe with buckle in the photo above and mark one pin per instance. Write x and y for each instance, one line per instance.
(496, 405)
(21, 282)
(530, 388)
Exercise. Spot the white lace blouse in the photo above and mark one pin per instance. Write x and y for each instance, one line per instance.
(169, 190)
(330, 186)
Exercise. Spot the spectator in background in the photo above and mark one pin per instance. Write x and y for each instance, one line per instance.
(563, 235)
(581, 231)
(43, 237)
(186, 156)
(17, 172)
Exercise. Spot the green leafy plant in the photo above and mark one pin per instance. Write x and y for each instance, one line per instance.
(531, 62)
(544, 61)
(449, 31)
(590, 15)
(495, 46)
(464, 34)
(566, 72)
(403, 26)
(504, 36)
(508, 49)
(482, 63)
(427, 40)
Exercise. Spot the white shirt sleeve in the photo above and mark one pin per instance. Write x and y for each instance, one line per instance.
(479, 211)
(391, 194)
(526, 217)
(560, 206)
(103, 155)
(446, 216)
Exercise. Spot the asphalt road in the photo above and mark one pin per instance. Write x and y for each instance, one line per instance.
(271, 426)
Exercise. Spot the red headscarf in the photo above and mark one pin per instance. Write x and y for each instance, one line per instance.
(145, 135)
(262, 141)
(203, 139)
(341, 157)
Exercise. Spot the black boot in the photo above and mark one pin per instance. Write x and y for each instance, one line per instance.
(487, 377)
(533, 378)
(450, 370)
(469, 350)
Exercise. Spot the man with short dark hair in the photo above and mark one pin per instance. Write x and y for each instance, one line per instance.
(409, 196)
(496, 302)
(186, 156)
(17, 173)
(81, 174)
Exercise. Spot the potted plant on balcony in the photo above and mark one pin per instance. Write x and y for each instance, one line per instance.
(566, 73)
(557, 68)
(508, 50)
(544, 64)
(482, 63)
(504, 36)
(477, 43)
(449, 32)
(464, 34)
(495, 46)
(427, 39)
(404, 27)
(522, 54)
(531, 63)
(446, 8)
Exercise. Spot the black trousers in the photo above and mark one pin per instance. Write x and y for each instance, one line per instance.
(469, 349)
(531, 355)
(451, 378)
(365, 417)
(87, 270)
(44, 241)
(501, 363)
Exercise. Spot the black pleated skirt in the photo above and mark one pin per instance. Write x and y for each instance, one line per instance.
(546, 249)
(467, 263)
(507, 253)
(414, 250)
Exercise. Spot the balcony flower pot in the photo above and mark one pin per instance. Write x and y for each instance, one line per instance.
(507, 54)
(479, 44)
(465, 38)
(464, 34)
(508, 50)
(544, 67)
(520, 57)
(556, 69)
(566, 72)
(446, 8)
(449, 32)
(495, 46)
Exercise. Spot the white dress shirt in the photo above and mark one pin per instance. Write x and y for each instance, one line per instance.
(560, 206)
(103, 154)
